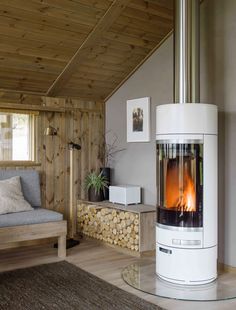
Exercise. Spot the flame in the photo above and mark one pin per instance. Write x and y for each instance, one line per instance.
(189, 196)
(180, 196)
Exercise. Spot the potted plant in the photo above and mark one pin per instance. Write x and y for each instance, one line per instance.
(95, 185)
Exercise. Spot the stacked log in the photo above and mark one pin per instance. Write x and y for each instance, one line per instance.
(113, 226)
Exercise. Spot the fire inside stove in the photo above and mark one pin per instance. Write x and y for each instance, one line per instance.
(180, 170)
(180, 188)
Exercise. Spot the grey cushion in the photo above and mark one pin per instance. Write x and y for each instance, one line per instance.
(11, 197)
(30, 184)
(36, 216)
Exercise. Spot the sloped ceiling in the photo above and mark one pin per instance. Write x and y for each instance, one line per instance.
(77, 48)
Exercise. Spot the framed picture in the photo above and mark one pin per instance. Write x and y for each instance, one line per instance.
(138, 120)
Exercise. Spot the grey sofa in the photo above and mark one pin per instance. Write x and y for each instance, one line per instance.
(36, 224)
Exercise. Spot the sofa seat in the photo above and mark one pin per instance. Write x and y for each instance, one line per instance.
(36, 216)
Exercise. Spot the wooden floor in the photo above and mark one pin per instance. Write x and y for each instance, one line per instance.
(102, 261)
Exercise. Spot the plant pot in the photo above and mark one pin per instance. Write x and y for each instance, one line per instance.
(106, 172)
(94, 196)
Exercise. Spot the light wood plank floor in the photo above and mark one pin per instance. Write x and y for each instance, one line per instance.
(102, 261)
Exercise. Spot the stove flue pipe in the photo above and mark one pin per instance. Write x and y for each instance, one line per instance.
(186, 51)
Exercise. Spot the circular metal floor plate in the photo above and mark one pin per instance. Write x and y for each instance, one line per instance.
(142, 276)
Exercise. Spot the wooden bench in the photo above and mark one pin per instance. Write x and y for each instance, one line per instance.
(31, 225)
(129, 227)
(11, 235)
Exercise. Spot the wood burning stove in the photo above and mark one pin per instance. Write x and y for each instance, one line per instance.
(186, 135)
(186, 232)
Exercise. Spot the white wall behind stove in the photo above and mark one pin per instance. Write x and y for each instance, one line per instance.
(137, 164)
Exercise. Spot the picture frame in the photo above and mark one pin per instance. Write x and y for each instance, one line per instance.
(138, 120)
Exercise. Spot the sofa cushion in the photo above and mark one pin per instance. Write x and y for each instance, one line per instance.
(30, 184)
(11, 197)
(35, 216)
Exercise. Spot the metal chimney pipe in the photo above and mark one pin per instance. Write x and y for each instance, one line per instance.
(186, 51)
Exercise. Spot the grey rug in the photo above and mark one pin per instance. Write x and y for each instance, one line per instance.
(63, 286)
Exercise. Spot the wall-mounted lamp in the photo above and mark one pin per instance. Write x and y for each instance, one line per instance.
(50, 131)
(74, 146)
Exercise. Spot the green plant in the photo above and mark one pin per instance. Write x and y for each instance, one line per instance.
(96, 181)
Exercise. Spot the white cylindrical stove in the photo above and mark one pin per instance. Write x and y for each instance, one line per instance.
(186, 229)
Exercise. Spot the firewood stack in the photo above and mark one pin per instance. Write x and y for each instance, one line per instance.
(116, 227)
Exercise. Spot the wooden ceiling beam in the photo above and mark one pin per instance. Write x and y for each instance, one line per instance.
(95, 35)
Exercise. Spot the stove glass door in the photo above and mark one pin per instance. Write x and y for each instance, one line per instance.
(180, 184)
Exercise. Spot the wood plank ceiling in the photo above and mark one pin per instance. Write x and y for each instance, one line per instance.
(77, 48)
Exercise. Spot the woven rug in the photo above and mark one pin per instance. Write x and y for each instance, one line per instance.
(63, 286)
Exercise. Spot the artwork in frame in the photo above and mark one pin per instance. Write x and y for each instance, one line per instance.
(138, 120)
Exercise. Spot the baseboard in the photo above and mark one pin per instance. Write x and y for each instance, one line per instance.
(226, 268)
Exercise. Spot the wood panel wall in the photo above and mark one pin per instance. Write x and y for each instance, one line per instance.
(75, 120)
